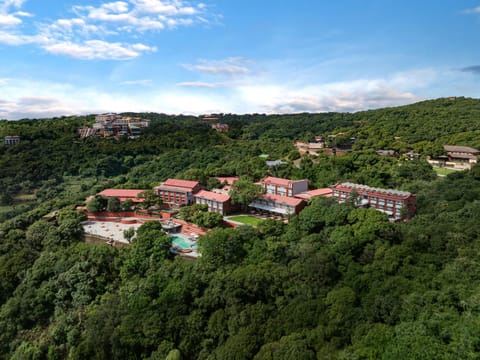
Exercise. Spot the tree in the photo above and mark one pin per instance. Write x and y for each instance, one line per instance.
(126, 205)
(243, 192)
(222, 246)
(150, 198)
(129, 233)
(113, 204)
(98, 203)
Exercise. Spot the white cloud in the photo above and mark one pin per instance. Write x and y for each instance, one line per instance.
(9, 20)
(475, 10)
(142, 82)
(228, 66)
(97, 49)
(95, 32)
(203, 84)
(8, 38)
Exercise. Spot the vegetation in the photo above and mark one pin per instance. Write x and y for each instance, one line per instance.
(248, 220)
(336, 282)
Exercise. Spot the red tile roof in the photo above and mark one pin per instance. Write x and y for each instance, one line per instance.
(212, 196)
(307, 195)
(122, 194)
(181, 183)
(278, 181)
(230, 180)
(283, 199)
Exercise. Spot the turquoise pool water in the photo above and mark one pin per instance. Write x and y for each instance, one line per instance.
(182, 243)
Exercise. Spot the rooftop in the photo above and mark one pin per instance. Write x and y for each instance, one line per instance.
(307, 195)
(278, 181)
(376, 190)
(282, 199)
(181, 183)
(209, 195)
(228, 179)
(466, 149)
(122, 193)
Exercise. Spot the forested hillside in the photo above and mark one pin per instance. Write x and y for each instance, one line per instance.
(337, 282)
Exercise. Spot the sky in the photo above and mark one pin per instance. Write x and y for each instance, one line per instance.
(78, 57)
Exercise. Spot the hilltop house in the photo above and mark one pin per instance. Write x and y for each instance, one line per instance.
(456, 158)
(11, 140)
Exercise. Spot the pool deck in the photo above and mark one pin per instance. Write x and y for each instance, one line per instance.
(188, 252)
(106, 229)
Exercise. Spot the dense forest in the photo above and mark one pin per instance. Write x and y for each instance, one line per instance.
(337, 282)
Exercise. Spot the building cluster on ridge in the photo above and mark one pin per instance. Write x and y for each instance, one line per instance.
(112, 125)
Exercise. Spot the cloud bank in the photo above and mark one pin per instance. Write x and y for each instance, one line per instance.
(106, 32)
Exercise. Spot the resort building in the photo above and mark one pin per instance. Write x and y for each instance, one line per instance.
(217, 203)
(123, 194)
(397, 204)
(277, 204)
(11, 140)
(283, 187)
(176, 192)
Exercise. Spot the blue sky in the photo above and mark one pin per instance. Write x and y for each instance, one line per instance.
(233, 56)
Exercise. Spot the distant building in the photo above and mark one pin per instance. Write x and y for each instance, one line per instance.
(209, 118)
(386, 153)
(279, 205)
(283, 187)
(316, 148)
(11, 140)
(457, 158)
(217, 203)
(123, 194)
(394, 203)
(275, 163)
(176, 192)
(412, 155)
(220, 127)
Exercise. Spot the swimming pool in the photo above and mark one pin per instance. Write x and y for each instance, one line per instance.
(182, 243)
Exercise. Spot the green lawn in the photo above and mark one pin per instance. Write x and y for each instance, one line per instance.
(443, 171)
(246, 219)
